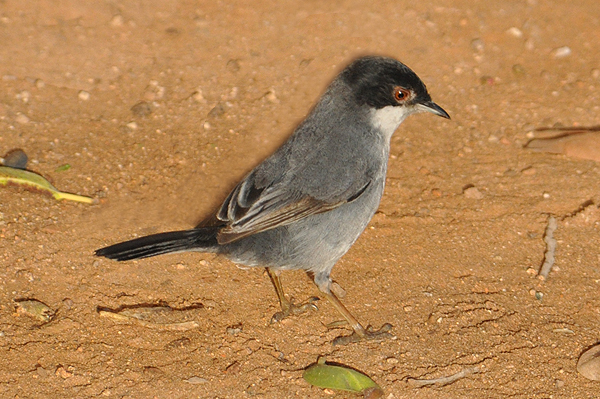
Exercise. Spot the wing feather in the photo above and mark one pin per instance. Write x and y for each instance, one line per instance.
(250, 210)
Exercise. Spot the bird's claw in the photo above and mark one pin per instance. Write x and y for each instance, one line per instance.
(292, 309)
(368, 335)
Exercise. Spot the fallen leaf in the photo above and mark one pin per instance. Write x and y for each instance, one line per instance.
(341, 378)
(589, 363)
(29, 179)
(34, 308)
(583, 143)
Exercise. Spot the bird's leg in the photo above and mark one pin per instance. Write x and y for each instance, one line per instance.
(360, 333)
(288, 307)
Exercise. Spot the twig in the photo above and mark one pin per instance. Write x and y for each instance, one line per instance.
(122, 318)
(550, 248)
(417, 382)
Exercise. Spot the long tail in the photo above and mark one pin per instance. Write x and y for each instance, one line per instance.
(202, 239)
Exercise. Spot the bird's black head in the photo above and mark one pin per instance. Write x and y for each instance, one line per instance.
(381, 82)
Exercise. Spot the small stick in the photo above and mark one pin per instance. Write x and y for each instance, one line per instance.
(550, 248)
(416, 382)
(118, 317)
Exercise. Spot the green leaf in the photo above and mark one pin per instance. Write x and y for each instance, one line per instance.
(339, 378)
(32, 180)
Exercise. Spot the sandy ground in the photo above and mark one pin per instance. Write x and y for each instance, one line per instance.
(225, 83)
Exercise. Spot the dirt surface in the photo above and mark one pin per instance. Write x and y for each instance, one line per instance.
(224, 83)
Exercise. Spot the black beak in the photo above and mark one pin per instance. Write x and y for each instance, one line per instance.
(432, 107)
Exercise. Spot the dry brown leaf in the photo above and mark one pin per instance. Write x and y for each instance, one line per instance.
(583, 143)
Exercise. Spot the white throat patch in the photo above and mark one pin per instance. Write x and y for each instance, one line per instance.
(387, 119)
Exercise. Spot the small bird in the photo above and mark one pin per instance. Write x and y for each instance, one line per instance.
(305, 205)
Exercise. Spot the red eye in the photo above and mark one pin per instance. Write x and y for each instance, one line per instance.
(401, 94)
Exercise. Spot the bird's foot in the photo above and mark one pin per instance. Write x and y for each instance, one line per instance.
(367, 334)
(291, 309)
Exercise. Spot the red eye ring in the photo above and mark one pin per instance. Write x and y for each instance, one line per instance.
(401, 94)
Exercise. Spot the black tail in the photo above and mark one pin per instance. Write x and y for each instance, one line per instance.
(202, 239)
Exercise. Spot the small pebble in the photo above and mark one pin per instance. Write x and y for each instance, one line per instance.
(561, 52)
(271, 96)
(83, 95)
(62, 373)
(198, 96)
(531, 271)
(472, 193)
(22, 119)
(132, 125)
(515, 32)
(117, 20)
(24, 96)
(40, 84)
(16, 159)
(536, 294)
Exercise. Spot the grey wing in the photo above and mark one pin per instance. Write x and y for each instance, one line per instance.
(252, 208)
